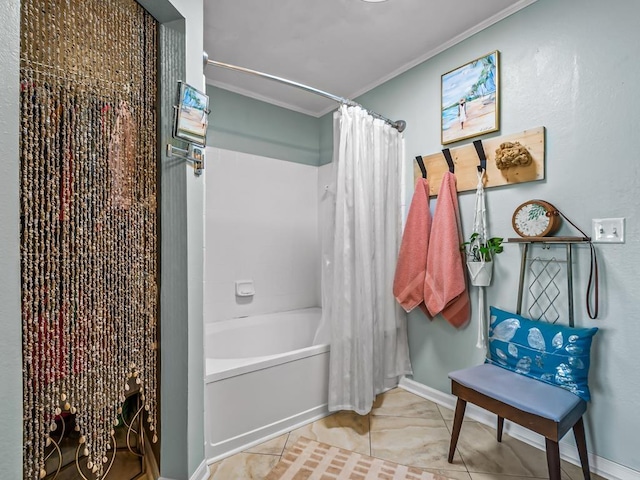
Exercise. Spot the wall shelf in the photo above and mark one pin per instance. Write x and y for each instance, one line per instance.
(548, 240)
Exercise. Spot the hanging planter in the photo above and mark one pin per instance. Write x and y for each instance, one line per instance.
(480, 250)
(480, 273)
(480, 253)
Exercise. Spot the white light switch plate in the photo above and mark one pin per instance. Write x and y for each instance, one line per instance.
(607, 230)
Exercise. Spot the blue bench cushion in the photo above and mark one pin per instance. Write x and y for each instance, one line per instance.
(519, 391)
(552, 353)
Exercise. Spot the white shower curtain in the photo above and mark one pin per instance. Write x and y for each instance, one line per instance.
(369, 348)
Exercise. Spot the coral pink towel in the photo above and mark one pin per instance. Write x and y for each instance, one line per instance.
(445, 289)
(458, 312)
(408, 284)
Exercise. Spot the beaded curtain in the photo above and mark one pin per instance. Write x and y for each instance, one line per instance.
(89, 251)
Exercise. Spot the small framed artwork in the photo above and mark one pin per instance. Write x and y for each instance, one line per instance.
(470, 99)
(192, 115)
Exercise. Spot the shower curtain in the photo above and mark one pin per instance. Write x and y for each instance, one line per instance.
(368, 331)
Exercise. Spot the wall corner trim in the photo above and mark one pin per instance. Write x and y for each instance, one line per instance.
(568, 452)
(202, 472)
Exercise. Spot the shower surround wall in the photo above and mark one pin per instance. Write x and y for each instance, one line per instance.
(261, 225)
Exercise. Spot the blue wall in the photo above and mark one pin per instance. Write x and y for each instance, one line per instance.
(570, 66)
(246, 125)
(10, 323)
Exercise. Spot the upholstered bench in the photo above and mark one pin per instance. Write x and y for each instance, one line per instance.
(545, 409)
(516, 383)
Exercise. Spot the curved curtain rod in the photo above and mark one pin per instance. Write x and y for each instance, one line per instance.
(399, 125)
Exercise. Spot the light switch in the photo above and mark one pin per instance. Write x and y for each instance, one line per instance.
(607, 230)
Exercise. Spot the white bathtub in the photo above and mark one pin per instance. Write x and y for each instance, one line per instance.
(263, 377)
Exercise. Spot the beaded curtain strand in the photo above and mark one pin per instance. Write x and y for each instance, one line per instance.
(89, 251)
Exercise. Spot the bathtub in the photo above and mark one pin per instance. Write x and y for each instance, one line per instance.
(263, 377)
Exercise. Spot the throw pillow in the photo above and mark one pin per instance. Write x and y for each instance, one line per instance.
(552, 353)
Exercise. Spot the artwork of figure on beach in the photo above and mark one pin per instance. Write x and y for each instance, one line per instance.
(470, 99)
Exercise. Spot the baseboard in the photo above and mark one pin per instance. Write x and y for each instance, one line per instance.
(568, 452)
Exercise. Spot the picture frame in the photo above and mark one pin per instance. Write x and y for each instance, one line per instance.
(192, 115)
(470, 99)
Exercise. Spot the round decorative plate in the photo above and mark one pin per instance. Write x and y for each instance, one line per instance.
(536, 218)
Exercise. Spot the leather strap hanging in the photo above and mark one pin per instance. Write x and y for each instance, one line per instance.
(592, 285)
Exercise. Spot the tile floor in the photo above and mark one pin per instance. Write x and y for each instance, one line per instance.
(407, 429)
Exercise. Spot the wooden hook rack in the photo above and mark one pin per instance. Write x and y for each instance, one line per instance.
(466, 161)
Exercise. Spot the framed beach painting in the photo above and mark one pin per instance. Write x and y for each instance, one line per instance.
(470, 99)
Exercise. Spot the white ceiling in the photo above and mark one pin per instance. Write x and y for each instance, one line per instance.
(345, 47)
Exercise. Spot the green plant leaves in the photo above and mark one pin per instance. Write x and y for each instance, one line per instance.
(478, 251)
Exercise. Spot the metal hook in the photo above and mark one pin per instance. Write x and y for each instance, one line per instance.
(195, 156)
(447, 156)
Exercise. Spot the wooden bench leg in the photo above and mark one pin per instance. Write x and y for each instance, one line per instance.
(461, 405)
(553, 459)
(581, 443)
(500, 427)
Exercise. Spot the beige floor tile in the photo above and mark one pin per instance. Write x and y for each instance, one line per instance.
(346, 430)
(400, 403)
(440, 474)
(574, 472)
(245, 466)
(446, 413)
(274, 446)
(483, 454)
(496, 476)
(419, 442)
(407, 429)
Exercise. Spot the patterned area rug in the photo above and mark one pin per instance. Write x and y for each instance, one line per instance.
(310, 460)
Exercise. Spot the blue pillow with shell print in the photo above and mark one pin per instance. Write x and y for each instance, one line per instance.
(552, 353)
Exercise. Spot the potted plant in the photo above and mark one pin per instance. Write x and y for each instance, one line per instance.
(480, 253)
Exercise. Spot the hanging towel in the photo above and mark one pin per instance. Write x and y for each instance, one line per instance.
(408, 283)
(445, 289)
(458, 312)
